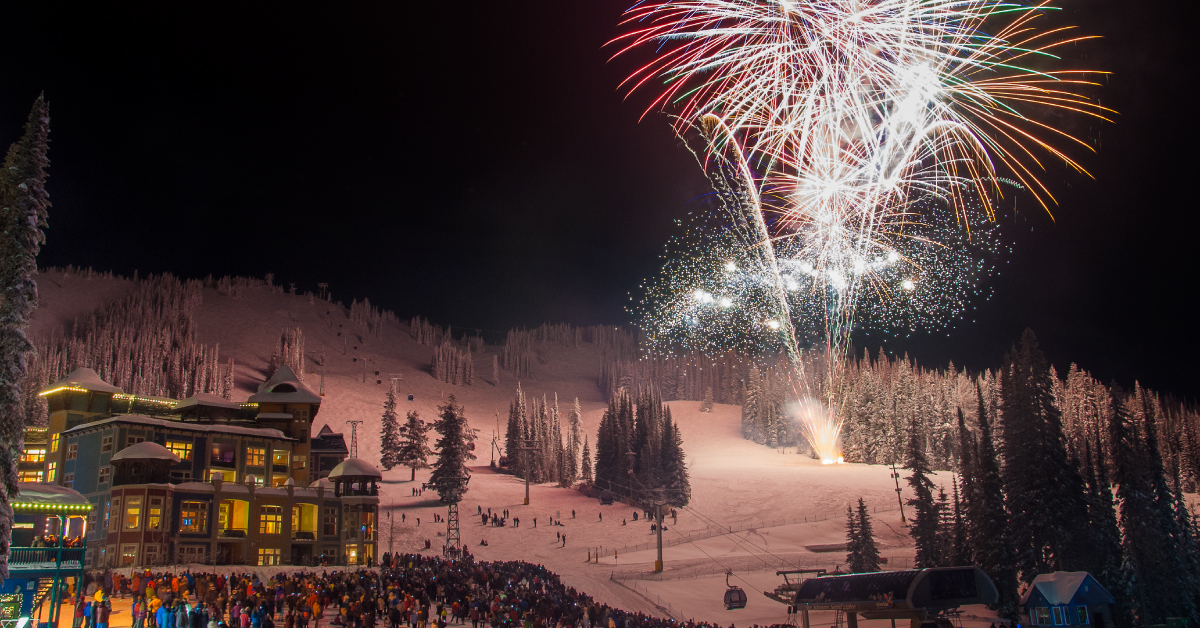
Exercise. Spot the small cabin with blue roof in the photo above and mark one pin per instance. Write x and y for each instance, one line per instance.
(1067, 598)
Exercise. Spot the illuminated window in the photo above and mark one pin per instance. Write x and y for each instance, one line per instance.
(183, 450)
(299, 461)
(32, 454)
(256, 456)
(296, 511)
(51, 471)
(193, 517)
(268, 556)
(279, 457)
(31, 476)
(128, 554)
(133, 440)
(69, 480)
(329, 521)
(224, 475)
(72, 451)
(133, 512)
(106, 444)
(110, 521)
(270, 520)
(54, 443)
(154, 514)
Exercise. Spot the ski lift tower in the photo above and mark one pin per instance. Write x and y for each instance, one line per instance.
(453, 536)
(354, 437)
(526, 447)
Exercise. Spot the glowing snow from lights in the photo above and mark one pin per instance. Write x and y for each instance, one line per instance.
(908, 284)
(773, 324)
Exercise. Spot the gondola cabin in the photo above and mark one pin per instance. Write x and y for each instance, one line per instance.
(735, 597)
(606, 498)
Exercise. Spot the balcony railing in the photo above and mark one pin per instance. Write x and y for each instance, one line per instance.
(45, 557)
(233, 533)
(301, 535)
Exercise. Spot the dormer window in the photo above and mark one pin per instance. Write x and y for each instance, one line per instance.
(284, 388)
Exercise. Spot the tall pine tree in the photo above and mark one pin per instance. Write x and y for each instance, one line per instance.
(389, 434)
(987, 518)
(414, 444)
(585, 473)
(860, 538)
(926, 524)
(455, 448)
(1044, 489)
(24, 207)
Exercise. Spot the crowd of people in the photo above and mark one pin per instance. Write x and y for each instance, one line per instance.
(405, 591)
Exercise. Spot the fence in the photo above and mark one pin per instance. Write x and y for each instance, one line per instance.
(712, 531)
(651, 598)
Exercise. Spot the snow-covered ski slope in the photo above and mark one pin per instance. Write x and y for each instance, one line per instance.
(775, 502)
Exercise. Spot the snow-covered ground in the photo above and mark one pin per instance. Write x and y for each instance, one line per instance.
(776, 502)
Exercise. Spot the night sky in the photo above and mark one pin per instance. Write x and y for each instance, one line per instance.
(474, 162)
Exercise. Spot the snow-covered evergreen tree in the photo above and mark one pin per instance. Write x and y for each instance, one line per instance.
(585, 473)
(24, 207)
(455, 448)
(1046, 489)
(673, 465)
(574, 441)
(414, 444)
(926, 521)
(390, 445)
(863, 554)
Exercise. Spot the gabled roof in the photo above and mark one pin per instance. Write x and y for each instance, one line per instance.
(145, 450)
(207, 400)
(284, 387)
(355, 467)
(83, 378)
(328, 441)
(1061, 587)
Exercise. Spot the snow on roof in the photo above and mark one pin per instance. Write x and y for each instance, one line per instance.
(207, 400)
(261, 432)
(195, 487)
(328, 441)
(284, 387)
(1059, 587)
(43, 495)
(84, 378)
(355, 467)
(146, 450)
(326, 482)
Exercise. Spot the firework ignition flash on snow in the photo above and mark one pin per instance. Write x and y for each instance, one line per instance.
(822, 430)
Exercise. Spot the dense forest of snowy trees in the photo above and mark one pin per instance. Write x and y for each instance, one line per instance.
(549, 455)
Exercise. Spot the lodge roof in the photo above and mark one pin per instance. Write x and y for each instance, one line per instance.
(206, 400)
(354, 467)
(261, 432)
(284, 387)
(41, 495)
(1062, 587)
(145, 450)
(83, 378)
(328, 441)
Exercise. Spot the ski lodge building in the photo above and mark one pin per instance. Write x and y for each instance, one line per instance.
(205, 480)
